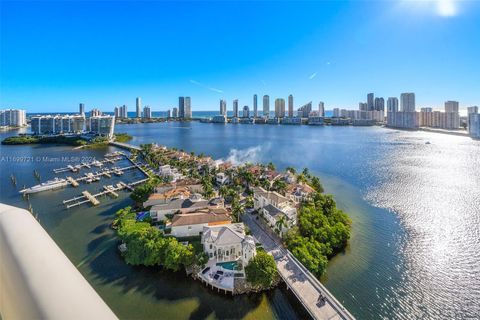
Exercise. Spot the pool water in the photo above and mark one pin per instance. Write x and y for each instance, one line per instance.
(227, 265)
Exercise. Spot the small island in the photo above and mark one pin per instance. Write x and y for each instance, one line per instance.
(84, 141)
(197, 214)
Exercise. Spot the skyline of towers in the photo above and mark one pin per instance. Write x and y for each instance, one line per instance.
(138, 104)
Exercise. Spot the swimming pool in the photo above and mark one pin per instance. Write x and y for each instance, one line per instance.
(228, 265)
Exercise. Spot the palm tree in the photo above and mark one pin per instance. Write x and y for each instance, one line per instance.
(237, 210)
(281, 222)
(291, 170)
(271, 166)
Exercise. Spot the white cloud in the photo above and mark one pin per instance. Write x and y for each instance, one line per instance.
(205, 87)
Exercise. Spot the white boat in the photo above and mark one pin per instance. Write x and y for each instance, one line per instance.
(48, 185)
(97, 163)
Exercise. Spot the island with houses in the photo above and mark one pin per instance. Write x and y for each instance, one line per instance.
(228, 225)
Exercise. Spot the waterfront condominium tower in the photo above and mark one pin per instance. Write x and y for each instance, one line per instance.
(235, 108)
(370, 102)
(392, 104)
(290, 106)
(81, 109)
(321, 109)
(181, 107)
(452, 117)
(255, 110)
(223, 107)
(246, 112)
(379, 104)
(407, 102)
(138, 104)
(266, 106)
(279, 108)
(147, 112)
(188, 108)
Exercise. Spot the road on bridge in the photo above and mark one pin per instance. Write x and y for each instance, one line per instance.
(305, 286)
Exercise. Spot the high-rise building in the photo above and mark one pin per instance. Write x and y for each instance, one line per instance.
(304, 111)
(370, 102)
(96, 112)
(58, 124)
(362, 106)
(279, 108)
(169, 113)
(290, 106)
(473, 109)
(321, 109)
(235, 108)
(175, 113)
(392, 104)
(266, 106)
(188, 108)
(181, 107)
(81, 108)
(122, 112)
(452, 117)
(407, 102)
(138, 104)
(223, 107)
(379, 104)
(255, 109)
(246, 112)
(451, 106)
(13, 118)
(102, 125)
(147, 112)
(473, 122)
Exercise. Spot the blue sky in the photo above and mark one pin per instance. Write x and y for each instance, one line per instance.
(54, 55)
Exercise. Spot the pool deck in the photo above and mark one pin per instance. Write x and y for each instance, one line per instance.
(225, 282)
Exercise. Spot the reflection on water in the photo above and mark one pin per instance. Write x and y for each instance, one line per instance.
(415, 209)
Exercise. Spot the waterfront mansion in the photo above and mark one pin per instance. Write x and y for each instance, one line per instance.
(275, 207)
(228, 242)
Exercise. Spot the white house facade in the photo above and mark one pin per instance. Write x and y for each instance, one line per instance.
(228, 243)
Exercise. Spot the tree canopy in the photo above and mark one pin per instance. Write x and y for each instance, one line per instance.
(261, 270)
(323, 230)
(147, 246)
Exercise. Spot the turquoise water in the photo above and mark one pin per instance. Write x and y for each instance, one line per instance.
(228, 265)
(415, 207)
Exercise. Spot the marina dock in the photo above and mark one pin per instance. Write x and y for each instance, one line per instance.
(88, 165)
(107, 190)
(72, 181)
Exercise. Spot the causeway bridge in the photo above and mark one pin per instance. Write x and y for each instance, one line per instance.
(125, 145)
(311, 293)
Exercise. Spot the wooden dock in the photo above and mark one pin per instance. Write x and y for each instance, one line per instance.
(91, 198)
(107, 190)
(72, 181)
